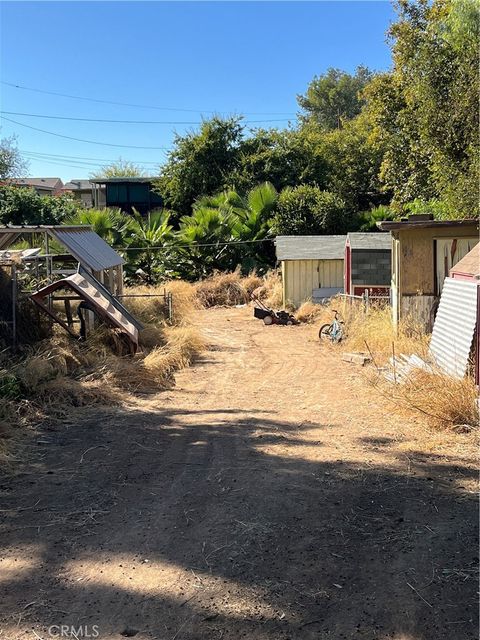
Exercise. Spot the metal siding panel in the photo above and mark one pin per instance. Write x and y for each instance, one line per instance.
(88, 248)
(455, 326)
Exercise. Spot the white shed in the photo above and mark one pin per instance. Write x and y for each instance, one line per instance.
(312, 266)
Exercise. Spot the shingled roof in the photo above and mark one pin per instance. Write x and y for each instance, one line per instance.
(310, 247)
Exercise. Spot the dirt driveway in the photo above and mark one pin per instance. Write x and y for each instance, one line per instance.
(271, 494)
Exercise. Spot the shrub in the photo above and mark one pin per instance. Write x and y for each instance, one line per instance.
(306, 209)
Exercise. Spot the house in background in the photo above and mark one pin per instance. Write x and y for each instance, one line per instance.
(126, 194)
(81, 190)
(43, 186)
(312, 266)
(368, 263)
(423, 252)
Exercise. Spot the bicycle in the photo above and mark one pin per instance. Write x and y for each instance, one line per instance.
(332, 331)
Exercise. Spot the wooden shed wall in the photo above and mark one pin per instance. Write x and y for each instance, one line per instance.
(416, 260)
(300, 277)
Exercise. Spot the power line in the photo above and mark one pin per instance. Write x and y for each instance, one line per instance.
(194, 122)
(58, 155)
(193, 244)
(103, 144)
(128, 104)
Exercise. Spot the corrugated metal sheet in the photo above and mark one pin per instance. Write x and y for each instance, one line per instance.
(360, 240)
(87, 247)
(454, 326)
(310, 247)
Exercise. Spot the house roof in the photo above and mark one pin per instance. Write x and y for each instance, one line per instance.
(42, 183)
(124, 179)
(469, 264)
(391, 225)
(369, 240)
(310, 247)
(85, 245)
(77, 185)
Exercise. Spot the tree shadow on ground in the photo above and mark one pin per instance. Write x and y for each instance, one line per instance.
(189, 525)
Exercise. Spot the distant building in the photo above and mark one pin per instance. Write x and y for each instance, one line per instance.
(81, 190)
(126, 194)
(43, 186)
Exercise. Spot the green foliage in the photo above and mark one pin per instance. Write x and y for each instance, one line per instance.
(10, 386)
(426, 109)
(354, 160)
(200, 164)
(20, 205)
(150, 245)
(307, 210)
(12, 165)
(283, 158)
(120, 169)
(110, 224)
(438, 208)
(228, 218)
(334, 97)
(367, 220)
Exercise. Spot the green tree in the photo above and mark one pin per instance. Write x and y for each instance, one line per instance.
(334, 97)
(307, 210)
(284, 158)
(426, 110)
(120, 169)
(200, 163)
(353, 161)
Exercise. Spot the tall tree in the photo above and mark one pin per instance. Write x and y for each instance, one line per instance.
(200, 163)
(334, 97)
(426, 110)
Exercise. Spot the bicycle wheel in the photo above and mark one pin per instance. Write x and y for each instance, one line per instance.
(325, 331)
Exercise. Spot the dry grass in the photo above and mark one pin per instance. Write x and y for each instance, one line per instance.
(61, 373)
(227, 289)
(445, 402)
(309, 312)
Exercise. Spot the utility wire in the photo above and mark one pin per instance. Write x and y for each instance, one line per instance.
(50, 117)
(192, 244)
(59, 155)
(103, 144)
(128, 104)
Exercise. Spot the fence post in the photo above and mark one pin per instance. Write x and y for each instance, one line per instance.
(367, 301)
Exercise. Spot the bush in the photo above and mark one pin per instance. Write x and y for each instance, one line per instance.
(20, 205)
(307, 210)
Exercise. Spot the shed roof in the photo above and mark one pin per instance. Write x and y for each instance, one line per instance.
(388, 225)
(310, 247)
(77, 185)
(469, 264)
(124, 179)
(85, 245)
(369, 240)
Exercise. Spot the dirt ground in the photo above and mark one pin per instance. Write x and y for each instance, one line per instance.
(271, 495)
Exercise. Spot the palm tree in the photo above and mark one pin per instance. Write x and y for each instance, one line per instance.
(230, 228)
(110, 224)
(150, 244)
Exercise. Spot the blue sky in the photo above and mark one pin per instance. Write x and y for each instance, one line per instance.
(187, 59)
